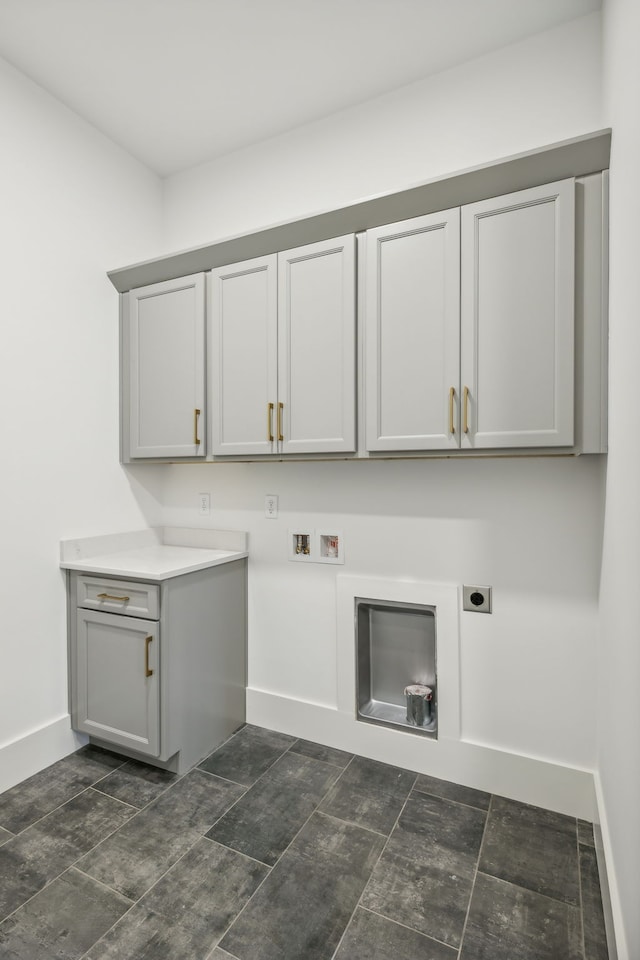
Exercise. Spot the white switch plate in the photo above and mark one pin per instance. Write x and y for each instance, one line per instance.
(204, 504)
(271, 506)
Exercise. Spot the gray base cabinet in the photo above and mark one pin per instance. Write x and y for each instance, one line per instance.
(166, 684)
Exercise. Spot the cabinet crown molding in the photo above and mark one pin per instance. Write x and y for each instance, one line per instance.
(578, 156)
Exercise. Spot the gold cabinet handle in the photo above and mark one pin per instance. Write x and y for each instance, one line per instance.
(280, 409)
(196, 439)
(465, 406)
(452, 396)
(147, 644)
(108, 596)
(270, 422)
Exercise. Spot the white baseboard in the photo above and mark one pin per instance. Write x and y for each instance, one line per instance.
(564, 789)
(36, 750)
(616, 939)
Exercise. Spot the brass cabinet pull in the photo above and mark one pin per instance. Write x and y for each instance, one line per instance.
(270, 422)
(196, 439)
(280, 409)
(108, 596)
(452, 394)
(147, 644)
(466, 410)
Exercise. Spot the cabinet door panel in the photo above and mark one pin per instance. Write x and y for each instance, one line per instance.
(316, 346)
(518, 318)
(243, 356)
(412, 334)
(166, 353)
(115, 700)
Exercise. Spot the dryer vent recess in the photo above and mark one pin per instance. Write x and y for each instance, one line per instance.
(476, 599)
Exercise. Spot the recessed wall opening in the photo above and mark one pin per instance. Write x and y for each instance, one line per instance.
(396, 678)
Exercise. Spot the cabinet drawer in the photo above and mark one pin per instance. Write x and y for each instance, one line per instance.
(119, 596)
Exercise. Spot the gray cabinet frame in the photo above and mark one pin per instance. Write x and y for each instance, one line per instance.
(585, 158)
(200, 658)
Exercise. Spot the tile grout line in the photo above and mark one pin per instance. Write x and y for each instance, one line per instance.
(238, 853)
(88, 786)
(225, 953)
(134, 903)
(95, 847)
(246, 790)
(33, 895)
(475, 877)
(178, 778)
(82, 789)
(91, 786)
(459, 803)
(406, 926)
(100, 883)
(74, 862)
(250, 786)
(534, 893)
(580, 900)
(195, 767)
(384, 847)
(259, 887)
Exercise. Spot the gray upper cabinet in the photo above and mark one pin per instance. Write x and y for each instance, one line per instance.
(481, 314)
(469, 326)
(163, 341)
(517, 319)
(282, 352)
(412, 334)
(243, 357)
(317, 348)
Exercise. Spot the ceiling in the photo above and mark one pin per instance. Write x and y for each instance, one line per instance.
(179, 82)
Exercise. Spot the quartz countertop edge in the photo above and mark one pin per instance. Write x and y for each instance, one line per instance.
(157, 553)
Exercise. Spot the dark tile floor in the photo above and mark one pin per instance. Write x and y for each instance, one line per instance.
(279, 849)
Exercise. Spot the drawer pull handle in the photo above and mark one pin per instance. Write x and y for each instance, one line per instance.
(270, 422)
(452, 394)
(108, 596)
(147, 644)
(466, 410)
(280, 409)
(196, 439)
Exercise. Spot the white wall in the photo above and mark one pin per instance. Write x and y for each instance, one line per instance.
(72, 205)
(532, 93)
(619, 653)
(530, 528)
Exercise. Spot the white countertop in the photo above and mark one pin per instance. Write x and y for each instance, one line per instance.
(144, 556)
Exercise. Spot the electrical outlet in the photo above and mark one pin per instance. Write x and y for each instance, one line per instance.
(271, 506)
(476, 599)
(204, 504)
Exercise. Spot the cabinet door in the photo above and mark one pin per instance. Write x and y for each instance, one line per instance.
(243, 357)
(115, 698)
(518, 318)
(165, 328)
(316, 347)
(412, 334)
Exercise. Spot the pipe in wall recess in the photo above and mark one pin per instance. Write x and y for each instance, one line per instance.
(418, 697)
